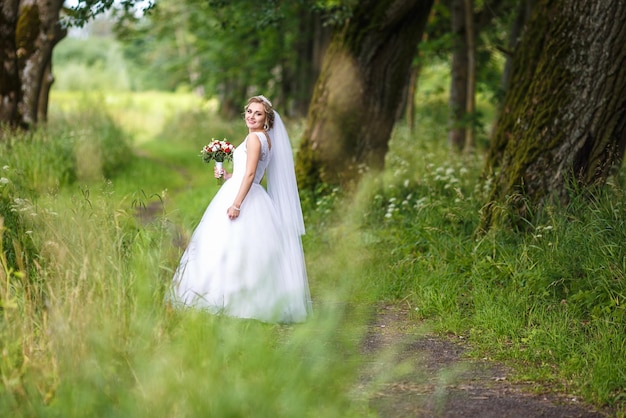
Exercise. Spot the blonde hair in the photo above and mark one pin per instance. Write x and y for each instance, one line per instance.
(267, 105)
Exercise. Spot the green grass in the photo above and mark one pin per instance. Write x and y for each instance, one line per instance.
(549, 302)
(85, 329)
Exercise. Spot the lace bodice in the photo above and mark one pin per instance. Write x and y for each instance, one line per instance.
(241, 154)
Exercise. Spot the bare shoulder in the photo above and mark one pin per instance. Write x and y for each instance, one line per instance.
(255, 138)
(253, 143)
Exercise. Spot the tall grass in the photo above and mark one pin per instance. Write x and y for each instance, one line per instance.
(99, 339)
(85, 330)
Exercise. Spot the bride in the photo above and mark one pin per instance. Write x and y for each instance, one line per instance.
(245, 258)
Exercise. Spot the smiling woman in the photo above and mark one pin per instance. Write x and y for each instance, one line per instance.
(245, 258)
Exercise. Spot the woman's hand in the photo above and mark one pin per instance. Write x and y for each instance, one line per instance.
(219, 172)
(233, 212)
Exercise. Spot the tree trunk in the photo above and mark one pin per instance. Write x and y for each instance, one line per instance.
(410, 100)
(564, 116)
(458, 79)
(313, 35)
(38, 30)
(10, 91)
(44, 94)
(47, 78)
(523, 12)
(357, 95)
(466, 25)
(229, 107)
(470, 96)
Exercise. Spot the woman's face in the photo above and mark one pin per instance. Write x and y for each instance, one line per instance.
(255, 116)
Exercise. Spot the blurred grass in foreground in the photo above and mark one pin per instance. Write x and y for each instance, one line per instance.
(85, 330)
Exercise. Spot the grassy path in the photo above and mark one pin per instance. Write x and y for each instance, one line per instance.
(410, 373)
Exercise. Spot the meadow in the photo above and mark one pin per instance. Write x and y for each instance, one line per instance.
(96, 208)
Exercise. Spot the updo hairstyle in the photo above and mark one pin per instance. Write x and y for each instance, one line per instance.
(269, 111)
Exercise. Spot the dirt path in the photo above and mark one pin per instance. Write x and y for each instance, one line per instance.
(416, 375)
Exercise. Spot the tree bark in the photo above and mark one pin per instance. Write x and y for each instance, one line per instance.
(564, 116)
(47, 78)
(458, 79)
(38, 30)
(470, 96)
(466, 25)
(44, 94)
(357, 95)
(10, 91)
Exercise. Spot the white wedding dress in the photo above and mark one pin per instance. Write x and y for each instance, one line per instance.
(249, 267)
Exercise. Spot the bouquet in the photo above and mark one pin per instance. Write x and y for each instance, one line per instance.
(218, 151)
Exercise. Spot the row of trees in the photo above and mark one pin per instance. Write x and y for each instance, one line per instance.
(350, 66)
(562, 122)
(229, 50)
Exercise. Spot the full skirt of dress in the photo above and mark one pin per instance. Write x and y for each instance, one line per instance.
(247, 267)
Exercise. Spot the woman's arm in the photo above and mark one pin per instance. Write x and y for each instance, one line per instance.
(253, 149)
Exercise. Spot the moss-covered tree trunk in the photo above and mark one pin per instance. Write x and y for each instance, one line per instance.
(29, 29)
(38, 30)
(564, 116)
(10, 90)
(356, 98)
